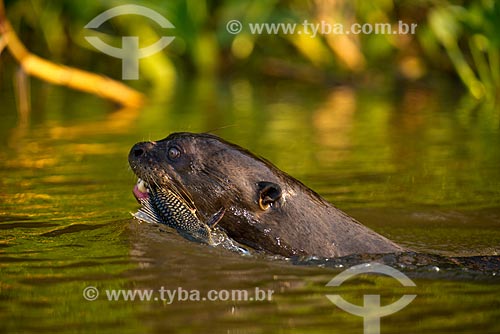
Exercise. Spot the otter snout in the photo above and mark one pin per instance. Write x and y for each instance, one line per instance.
(140, 151)
(140, 148)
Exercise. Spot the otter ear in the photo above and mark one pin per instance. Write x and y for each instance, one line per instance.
(268, 193)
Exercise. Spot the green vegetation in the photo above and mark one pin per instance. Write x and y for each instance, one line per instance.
(455, 40)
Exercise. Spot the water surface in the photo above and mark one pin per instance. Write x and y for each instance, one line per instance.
(418, 166)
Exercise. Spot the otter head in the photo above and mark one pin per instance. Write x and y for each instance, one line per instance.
(211, 174)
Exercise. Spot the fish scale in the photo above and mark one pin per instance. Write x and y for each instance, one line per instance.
(176, 214)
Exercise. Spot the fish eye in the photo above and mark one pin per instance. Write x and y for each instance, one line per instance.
(174, 153)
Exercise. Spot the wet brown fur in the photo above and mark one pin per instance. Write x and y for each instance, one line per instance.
(212, 173)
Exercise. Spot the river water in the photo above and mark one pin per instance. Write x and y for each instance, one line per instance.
(419, 165)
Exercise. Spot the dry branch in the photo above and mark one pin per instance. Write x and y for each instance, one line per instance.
(64, 75)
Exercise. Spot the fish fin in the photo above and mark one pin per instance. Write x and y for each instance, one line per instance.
(216, 217)
(146, 213)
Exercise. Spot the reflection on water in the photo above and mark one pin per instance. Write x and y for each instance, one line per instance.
(417, 167)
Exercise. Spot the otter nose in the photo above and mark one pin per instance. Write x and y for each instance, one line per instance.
(140, 149)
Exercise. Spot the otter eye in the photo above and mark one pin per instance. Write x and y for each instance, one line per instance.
(173, 153)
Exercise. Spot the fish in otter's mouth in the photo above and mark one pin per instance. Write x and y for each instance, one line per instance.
(164, 206)
(160, 205)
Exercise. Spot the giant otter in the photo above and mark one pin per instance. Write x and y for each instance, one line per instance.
(253, 201)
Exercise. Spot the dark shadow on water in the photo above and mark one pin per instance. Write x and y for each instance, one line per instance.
(419, 265)
(71, 229)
